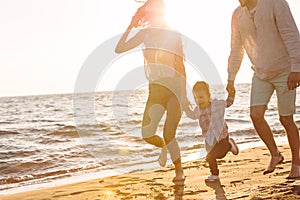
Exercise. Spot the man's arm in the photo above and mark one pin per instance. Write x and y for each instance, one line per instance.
(291, 38)
(237, 49)
(236, 56)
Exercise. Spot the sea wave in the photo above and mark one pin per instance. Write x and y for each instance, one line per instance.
(49, 175)
(252, 131)
(8, 133)
(64, 133)
(40, 141)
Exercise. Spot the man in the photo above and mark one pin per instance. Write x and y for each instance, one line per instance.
(266, 30)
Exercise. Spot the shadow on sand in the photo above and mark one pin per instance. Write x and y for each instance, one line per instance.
(219, 191)
(178, 193)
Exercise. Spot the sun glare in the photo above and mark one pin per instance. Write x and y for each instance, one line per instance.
(174, 14)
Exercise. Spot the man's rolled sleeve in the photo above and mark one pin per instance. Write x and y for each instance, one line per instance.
(289, 33)
(237, 50)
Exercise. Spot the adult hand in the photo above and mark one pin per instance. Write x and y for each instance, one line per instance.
(231, 93)
(230, 88)
(293, 80)
(134, 21)
(229, 101)
(136, 18)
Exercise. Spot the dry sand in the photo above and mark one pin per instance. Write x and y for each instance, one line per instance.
(241, 178)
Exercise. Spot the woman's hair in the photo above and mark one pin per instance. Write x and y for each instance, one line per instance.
(201, 86)
(148, 10)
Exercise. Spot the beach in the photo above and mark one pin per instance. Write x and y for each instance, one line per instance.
(48, 155)
(241, 177)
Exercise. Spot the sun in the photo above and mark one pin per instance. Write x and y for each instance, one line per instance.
(174, 14)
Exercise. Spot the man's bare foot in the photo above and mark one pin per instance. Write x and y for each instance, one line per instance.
(275, 160)
(295, 172)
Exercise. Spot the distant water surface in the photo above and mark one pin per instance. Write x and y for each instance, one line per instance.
(39, 142)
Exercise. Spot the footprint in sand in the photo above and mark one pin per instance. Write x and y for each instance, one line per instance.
(240, 181)
(282, 173)
(258, 171)
(160, 197)
(155, 184)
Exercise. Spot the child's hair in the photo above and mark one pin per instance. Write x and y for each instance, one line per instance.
(200, 86)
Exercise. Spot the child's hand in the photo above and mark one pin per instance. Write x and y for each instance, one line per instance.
(187, 106)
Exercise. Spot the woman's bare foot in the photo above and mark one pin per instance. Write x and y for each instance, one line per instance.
(234, 148)
(275, 160)
(162, 160)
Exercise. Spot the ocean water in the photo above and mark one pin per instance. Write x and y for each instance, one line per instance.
(44, 142)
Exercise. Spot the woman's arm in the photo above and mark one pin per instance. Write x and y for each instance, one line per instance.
(126, 45)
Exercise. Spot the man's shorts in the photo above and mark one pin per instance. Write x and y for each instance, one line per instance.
(262, 90)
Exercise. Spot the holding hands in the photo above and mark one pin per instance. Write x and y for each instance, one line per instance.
(231, 93)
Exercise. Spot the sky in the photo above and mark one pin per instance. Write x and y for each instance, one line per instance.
(44, 43)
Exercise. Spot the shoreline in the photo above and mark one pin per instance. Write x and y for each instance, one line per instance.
(241, 178)
(89, 176)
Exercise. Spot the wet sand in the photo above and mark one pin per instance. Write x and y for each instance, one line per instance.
(241, 177)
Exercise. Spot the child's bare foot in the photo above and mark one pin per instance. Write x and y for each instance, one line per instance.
(179, 178)
(212, 178)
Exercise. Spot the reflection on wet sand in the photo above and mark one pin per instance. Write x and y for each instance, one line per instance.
(219, 191)
(178, 192)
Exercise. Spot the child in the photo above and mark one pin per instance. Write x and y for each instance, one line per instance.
(210, 113)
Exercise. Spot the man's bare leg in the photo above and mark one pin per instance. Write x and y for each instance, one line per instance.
(264, 131)
(293, 138)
